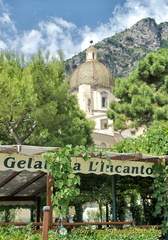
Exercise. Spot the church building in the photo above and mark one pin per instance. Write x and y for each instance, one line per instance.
(93, 83)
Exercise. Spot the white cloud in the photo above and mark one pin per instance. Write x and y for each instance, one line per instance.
(127, 15)
(31, 41)
(135, 10)
(64, 23)
(59, 34)
(2, 45)
(6, 24)
(5, 18)
(50, 28)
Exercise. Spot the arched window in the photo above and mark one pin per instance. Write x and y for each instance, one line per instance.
(103, 145)
(104, 100)
(89, 104)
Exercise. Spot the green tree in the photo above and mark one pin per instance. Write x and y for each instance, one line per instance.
(18, 99)
(36, 108)
(95, 189)
(142, 97)
(7, 214)
(154, 141)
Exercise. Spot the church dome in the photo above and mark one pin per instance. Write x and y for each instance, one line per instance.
(91, 72)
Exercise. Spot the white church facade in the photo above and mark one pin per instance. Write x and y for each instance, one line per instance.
(92, 83)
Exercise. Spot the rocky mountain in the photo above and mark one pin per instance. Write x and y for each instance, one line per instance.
(121, 52)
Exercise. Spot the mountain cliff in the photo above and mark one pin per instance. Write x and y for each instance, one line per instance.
(121, 52)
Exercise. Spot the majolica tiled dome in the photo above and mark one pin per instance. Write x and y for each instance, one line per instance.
(91, 72)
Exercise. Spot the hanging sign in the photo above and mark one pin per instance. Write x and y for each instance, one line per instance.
(18, 162)
(112, 167)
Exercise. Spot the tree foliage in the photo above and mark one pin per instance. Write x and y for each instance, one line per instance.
(160, 188)
(65, 183)
(154, 141)
(36, 108)
(18, 98)
(142, 97)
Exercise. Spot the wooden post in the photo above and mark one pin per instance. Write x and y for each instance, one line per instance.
(31, 213)
(114, 198)
(38, 211)
(107, 214)
(48, 197)
(166, 235)
(46, 211)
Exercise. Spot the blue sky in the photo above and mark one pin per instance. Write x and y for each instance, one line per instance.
(82, 13)
(69, 25)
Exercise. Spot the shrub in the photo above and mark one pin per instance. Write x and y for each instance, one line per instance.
(11, 232)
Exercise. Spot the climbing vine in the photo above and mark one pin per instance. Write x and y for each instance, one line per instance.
(65, 183)
(160, 192)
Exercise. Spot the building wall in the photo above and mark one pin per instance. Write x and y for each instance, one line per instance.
(92, 83)
(98, 96)
(106, 140)
(84, 95)
(94, 101)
